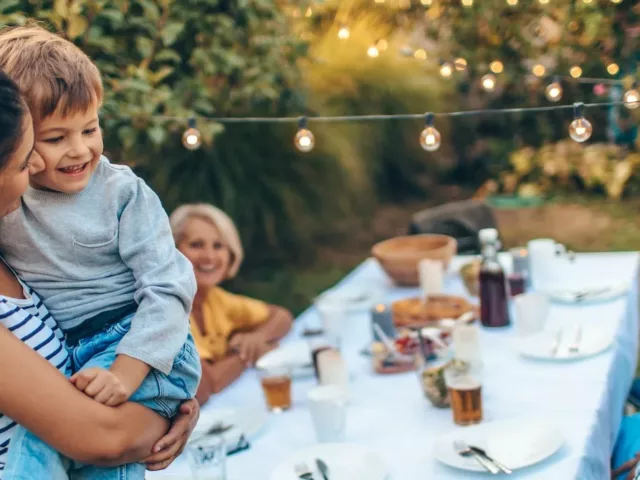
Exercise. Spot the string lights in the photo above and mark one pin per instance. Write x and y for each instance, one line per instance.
(553, 92)
(304, 139)
(631, 98)
(489, 82)
(580, 129)
(430, 139)
(191, 138)
(446, 70)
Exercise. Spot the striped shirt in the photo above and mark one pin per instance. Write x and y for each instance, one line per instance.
(30, 321)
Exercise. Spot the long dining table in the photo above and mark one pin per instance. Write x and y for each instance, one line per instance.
(389, 414)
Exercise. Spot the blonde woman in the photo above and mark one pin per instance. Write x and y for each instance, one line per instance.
(230, 331)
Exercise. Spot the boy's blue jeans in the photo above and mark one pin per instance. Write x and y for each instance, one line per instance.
(30, 458)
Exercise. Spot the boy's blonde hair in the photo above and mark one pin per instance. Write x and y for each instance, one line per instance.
(216, 217)
(53, 74)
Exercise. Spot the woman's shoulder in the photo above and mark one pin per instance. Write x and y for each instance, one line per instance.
(29, 320)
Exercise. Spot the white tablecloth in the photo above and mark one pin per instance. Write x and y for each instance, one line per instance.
(390, 415)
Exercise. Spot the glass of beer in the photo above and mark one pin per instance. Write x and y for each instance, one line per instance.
(465, 392)
(276, 385)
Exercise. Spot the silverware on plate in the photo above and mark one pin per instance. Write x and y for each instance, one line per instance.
(575, 346)
(463, 450)
(302, 471)
(555, 346)
(324, 470)
(581, 295)
(501, 466)
(216, 429)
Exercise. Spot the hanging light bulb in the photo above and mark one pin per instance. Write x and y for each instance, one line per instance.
(587, 1)
(467, 3)
(543, 2)
(631, 98)
(373, 51)
(512, 3)
(489, 82)
(575, 71)
(420, 54)
(446, 69)
(382, 45)
(309, 12)
(191, 138)
(496, 66)
(460, 64)
(553, 91)
(538, 70)
(426, 3)
(344, 32)
(304, 139)
(616, 1)
(613, 68)
(580, 129)
(430, 137)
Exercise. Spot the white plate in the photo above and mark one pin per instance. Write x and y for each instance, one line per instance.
(539, 346)
(294, 355)
(353, 297)
(246, 421)
(515, 443)
(345, 461)
(601, 293)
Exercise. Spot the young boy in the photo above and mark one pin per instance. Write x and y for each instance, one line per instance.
(93, 240)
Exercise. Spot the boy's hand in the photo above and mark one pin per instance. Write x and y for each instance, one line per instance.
(102, 385)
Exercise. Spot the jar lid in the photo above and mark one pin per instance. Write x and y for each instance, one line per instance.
(488, 235)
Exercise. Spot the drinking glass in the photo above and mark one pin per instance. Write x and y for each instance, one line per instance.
(208, 459)
(276, 385)
(464, 383)
(532, 310)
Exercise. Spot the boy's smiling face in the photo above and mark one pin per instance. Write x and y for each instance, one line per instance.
(70, 146)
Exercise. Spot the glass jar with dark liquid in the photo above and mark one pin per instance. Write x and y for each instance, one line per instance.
(494, 306)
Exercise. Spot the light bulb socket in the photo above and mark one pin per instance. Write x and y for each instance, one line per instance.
(302, 123)
(578, 110)
(429, 119)
(556, 79)
(191, 123)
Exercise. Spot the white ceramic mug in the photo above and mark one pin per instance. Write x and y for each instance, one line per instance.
(328, 408)
(532, 310)
(547, 260)
(333, 315)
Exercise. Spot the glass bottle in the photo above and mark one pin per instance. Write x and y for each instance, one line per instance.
(494, 306)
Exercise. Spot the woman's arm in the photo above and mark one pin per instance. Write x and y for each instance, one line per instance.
(253, 342)
(37, 396)
(277, 325)
(216, 376)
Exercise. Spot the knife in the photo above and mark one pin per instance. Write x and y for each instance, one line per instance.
(324, 470)
(480, 451)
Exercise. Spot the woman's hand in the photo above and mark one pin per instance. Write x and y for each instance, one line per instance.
(250, 346)
(167, 449)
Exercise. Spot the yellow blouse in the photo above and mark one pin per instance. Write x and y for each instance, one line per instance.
(223, 314)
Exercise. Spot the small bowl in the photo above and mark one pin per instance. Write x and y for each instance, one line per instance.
(470, 274)
(399, 256)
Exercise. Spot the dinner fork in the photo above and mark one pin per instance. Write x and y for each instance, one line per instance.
(575, 346)
(302, 471)
(555, 346)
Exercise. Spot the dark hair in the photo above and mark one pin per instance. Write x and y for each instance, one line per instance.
(12, 113)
